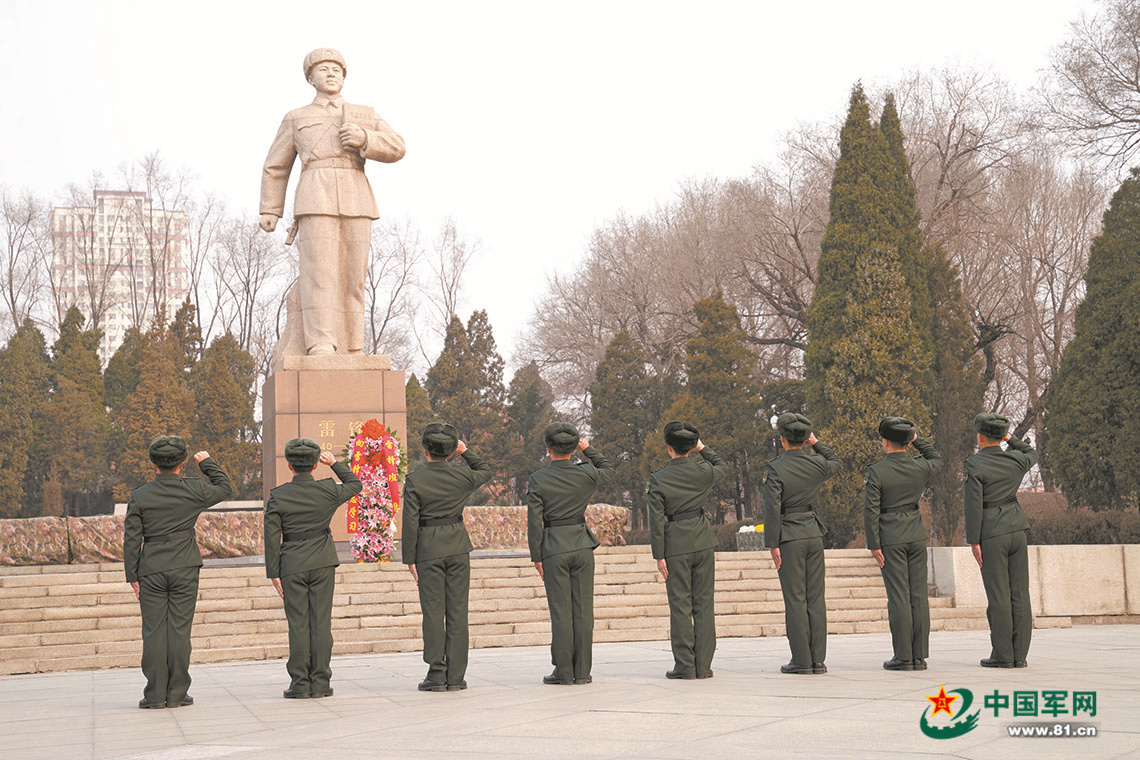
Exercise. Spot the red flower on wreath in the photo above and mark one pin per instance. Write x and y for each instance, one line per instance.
(373, 429)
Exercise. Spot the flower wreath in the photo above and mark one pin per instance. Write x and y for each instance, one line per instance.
(374, 456)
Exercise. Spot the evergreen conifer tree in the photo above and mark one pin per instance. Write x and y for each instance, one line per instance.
(77, 428)
(419, 414)
(722, 400)
(224, 425)
(24, 390)
(626, 402)
(161, 404)
(530, 408)
(1093, 418)
(871, 348)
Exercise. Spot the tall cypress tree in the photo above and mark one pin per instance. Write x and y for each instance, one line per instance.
(870, 352)
(626, 402)
(222, 383)
(77, 426)
(161, 404)
(419, 414)
(722, 400)
(530, 408)
(453, 381)
(1094, 403)
(24, 387)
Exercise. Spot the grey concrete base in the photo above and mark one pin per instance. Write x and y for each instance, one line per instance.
(857, 710)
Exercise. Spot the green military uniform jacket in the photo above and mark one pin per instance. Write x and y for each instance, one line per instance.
(792, 481)
(683, 485)
(993, 475)
(897, 480)
(305, 504)
(561, 491)
(439, 491)
(169, 504)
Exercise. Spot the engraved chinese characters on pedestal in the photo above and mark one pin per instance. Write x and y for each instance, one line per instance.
(333, 209)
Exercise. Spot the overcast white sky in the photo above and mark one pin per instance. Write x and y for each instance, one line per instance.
(530, 123)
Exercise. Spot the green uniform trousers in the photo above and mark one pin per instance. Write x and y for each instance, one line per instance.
(444, 586)
(569, 581)
(908, 604)
(805, 613)
(692, 628)
(308, 608)
(167, 601)
(1005, 574)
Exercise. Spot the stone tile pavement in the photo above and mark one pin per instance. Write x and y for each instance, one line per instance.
(749, 709)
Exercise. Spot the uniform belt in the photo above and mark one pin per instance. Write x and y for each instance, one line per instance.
(904, 508)
(290, 537)
(333, 162)
(567, 521)
(170, 536)
(796, 510)
(688, 514)
(436, 522)
(996, 504)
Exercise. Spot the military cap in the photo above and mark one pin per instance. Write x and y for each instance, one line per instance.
(794, 427)
(681, 436)
(439, 439)
(302, 452)
(896, 429)
(561, 437)
(992, 426)
(167, 451)
(320, 55)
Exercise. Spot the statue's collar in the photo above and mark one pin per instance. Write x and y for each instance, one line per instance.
(325, 102)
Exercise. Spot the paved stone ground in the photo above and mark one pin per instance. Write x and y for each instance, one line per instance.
(749, 709)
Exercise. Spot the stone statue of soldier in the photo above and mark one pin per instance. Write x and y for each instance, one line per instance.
(333, 208)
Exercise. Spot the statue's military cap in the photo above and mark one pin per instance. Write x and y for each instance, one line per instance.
(302, 452)
(561, 437)
(167, 451)
(681, 436)
(320, 55)
(896, 429)
(794, 427)
(991, 425)
(439, 439)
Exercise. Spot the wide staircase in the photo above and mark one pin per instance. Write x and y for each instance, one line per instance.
(78, 617)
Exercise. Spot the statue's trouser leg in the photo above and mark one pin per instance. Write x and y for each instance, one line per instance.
(333, 254)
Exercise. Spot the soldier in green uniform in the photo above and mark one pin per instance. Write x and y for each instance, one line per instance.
(437, 550)
(683, 543)
(795, 536)
(161, 560)
(996, 531)
(300, 559)
(562, 547)
(897, 538)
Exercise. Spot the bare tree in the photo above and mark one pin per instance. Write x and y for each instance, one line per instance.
(206, 223)
(394, 260)
(26, 237)
(1093, 92)
(246, 265)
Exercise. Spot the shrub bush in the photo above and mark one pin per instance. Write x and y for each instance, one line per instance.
(1085, 527)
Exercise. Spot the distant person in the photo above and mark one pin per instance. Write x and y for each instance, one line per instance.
(437, 551)
(300, 559)
(996, 529)
(794, 535)
(562, 547)
(161, 561)
(683, 543)
(897, 538)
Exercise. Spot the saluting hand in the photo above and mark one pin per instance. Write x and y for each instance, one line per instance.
(582, 444)
(201, 455)
(812, 440)
(327, 458)
(460, 447)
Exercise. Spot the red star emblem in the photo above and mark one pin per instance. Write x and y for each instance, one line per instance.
(942, 702)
